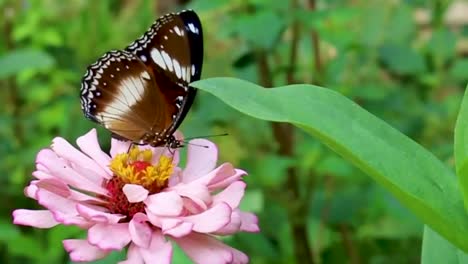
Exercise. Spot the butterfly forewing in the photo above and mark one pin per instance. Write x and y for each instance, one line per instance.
(114, 90)
(173, 49)
(142, 93)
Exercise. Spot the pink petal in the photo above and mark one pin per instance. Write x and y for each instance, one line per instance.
(171, 226)
(85, 198)
(140, 231)
(221, 177)
(89, 144)
(196, 192)
(40, 167)
(81, 251)
(233, 226)
(31, 190)
(133, 256)
(35, 218)
(70, 153)
(249, 222)
(54, 186)
(62, 208)
(135, 193)
(38, 174)
(109, 237)
(180, 230)
(232, 195)
(61, 170)
(200, 160)
(210, 220)
(206, 249)
(119, 146)
(159, 252)
(98, 216)
(165, 204)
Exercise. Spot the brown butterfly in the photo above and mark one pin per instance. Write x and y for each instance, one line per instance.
(142, 93)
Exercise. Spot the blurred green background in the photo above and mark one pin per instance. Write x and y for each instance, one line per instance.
(404, 61)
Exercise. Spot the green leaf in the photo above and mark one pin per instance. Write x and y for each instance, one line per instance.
(437, 250)
(459, 70)
(402, 59)
(20, 60)
(461, 148)
(252, 28)
(411, 173)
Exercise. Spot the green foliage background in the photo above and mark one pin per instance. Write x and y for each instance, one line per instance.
(404, 61)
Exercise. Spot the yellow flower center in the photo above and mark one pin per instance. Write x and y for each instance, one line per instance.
(135, 167)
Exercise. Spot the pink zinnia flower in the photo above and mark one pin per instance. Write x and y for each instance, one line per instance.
(139, 199)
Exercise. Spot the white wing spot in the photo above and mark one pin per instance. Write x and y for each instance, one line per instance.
(165, 37)
(193, 70)
(184, 73)
(177, 69)
(143, 58)
(167, 60)
(157, 58)
(117, 69)
(128, 93)
(187, 78)
(177, 31)
(112, 75)
(193, 28)
(145, 75)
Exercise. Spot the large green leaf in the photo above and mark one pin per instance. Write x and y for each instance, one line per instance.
(415, 176)
(437, 250)
(461, 148)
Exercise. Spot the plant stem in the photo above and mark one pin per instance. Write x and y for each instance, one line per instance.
(316, 44)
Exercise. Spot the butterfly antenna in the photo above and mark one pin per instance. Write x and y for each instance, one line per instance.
(207, 136)
(197, 145)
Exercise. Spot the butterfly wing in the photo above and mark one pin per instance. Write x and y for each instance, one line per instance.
(115, 92)
(173, 49)
(142, 93)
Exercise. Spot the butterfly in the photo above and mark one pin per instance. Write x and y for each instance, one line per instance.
(142, 93)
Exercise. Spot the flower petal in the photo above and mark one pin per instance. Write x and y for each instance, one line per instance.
(133, 256)
(109, 237)
(140, 232)
(206, 249)
(200, 160)
(232, 195)
(210, 220)
(119, 146)
(135, 193)
(98, 216)
(39, 174)
(80, 250)
(221, 177)
(196, 192)
(31, 190)
(65, 150)
(180, 230)
(233, 226)
(63, 171)
(62, 208)
(89, 144)
(159, 252)
(249, 222)
(165, 204)
(35, 218)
